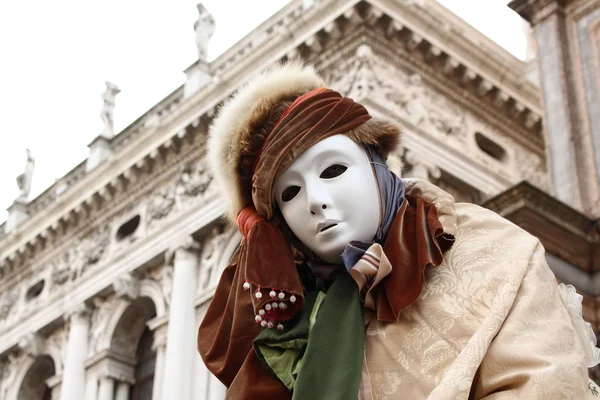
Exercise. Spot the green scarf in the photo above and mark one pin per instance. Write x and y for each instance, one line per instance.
(319, 353)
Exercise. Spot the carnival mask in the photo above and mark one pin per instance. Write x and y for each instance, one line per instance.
(329, 197)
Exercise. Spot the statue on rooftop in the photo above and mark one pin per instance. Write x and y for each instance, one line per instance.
(205, 27)
(24, 180)
(108, 108)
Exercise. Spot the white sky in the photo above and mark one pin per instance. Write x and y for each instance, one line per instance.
(56, 55)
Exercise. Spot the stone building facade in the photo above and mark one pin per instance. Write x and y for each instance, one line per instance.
(106, 275)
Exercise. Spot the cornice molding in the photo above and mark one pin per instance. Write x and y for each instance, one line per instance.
(564, 231)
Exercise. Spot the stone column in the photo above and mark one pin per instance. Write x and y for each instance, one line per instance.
(73, 384)
(160, 341)
(107, 388)
(216, 390)
(202, 375)
(181, 332)
(122, 391)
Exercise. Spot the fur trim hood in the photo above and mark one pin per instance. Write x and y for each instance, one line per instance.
(238, 131)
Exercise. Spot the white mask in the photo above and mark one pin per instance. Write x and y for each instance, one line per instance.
(329, 197)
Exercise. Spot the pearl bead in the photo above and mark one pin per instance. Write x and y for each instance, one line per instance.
(261, 312)
(258, 295)
(292, 298)
(282, 305)
(263, 324)
(274, 305)
(270, 324)
(246, 285)
(268, 307)
(279, 327)
(281, 295)
(258, 318)
(272, 294)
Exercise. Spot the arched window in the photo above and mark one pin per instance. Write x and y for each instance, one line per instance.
(34, 385)
(144, 369)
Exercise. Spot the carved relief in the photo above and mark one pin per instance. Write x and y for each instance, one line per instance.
(56, 346)
(127, 286)
(193, 181)
(161, 204)
(93, 247)
(164, 276)
(7, 301)
(61, 272)
(9, 373)
(213, 250)
(102, 312)
(423, 107)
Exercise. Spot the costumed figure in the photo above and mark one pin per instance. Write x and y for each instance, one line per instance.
(352, 283)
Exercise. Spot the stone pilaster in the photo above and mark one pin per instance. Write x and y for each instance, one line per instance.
(571, 111)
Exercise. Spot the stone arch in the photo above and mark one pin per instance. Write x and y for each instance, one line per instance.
(117, 311)
(32, 377)
(55, 352)
(130, 326)
(153, 290)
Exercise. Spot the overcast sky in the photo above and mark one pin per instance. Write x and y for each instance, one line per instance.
(56, 55)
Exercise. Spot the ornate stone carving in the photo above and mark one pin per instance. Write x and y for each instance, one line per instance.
(56, 344)
(366, 74)
(362, 76)
(61, 272)
(103, 309)
(164, 276)
(31, 344)
(161, 203)
(211, 254)
(9, 373)
(193, 181)
(7, 302)
(184, 248)
(91, 250)
(80, 315)
(127, 286)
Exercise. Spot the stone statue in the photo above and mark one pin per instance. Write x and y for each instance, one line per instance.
(205, 27)
(24, 180)
(108, 108)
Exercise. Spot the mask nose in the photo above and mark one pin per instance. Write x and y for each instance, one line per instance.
(318, 199)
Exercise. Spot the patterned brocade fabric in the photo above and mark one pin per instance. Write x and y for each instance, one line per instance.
(489, 324)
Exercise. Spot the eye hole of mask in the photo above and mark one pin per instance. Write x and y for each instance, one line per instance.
(289, 193)
(333, 171)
